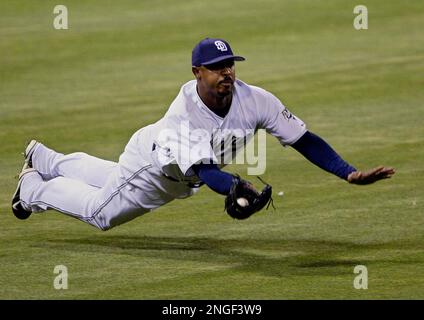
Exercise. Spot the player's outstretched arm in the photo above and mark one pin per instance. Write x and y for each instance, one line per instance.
(320, 153)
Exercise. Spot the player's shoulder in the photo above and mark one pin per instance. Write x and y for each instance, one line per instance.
(184, 101)
(188, 88)
(262, 100)
(252, 91)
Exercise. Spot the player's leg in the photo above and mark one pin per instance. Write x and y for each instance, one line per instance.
(115, 203)
(79, 166)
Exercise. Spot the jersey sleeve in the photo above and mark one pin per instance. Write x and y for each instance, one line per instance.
(280, 122)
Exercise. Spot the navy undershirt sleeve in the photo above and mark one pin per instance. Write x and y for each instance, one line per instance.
(219, 181)
(321, 154)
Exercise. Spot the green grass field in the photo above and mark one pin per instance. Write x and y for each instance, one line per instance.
(117, 69)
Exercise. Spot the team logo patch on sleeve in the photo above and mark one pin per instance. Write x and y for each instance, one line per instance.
(287, 114)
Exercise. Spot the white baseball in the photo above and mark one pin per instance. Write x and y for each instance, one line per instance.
(242, 202)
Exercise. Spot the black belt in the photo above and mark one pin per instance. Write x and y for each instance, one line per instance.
(189, 184)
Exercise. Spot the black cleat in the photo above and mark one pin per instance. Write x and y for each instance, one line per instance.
(17, 208)
(29, 150)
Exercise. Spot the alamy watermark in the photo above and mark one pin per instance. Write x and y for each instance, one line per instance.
(60, 21)
(60, 282)
(361, 280)
(223, 146)
(360, 22)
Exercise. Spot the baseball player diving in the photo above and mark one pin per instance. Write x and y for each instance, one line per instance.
(175, 156)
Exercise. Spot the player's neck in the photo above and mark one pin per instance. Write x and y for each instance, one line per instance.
(218, 105)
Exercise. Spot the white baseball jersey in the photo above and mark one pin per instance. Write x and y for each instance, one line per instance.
(190, 132)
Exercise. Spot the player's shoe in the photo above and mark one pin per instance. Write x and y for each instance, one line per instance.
(18, 210)
(29, 151)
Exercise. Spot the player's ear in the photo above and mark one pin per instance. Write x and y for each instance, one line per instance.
(196, 72)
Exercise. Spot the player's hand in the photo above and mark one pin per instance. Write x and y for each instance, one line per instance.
(370, 176)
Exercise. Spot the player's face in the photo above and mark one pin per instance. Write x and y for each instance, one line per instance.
(218, 78)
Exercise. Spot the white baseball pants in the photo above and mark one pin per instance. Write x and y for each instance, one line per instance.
(93, 190)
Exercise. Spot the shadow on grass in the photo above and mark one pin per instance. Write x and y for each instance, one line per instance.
(276, 257)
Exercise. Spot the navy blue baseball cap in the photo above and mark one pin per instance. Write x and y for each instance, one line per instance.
(212, 50)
